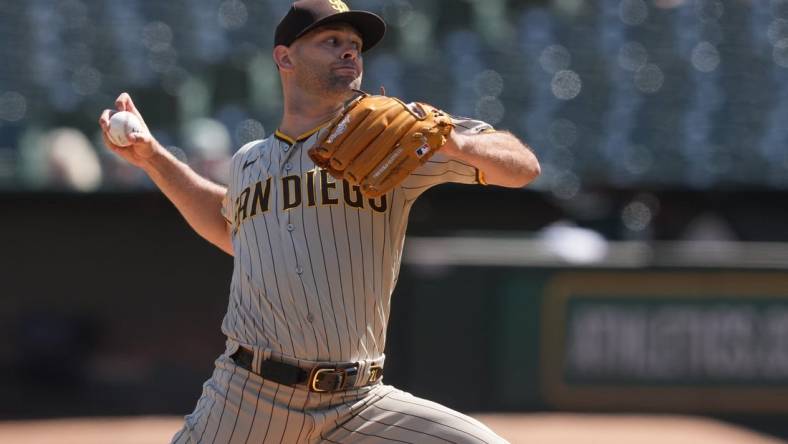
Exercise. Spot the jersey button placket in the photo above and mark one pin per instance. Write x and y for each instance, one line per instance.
(290, 228)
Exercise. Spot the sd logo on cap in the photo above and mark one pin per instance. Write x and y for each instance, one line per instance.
(339, 5)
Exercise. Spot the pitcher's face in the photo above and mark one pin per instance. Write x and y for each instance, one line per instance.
(328, 60)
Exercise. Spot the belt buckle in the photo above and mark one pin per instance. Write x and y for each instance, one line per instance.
(317, 375)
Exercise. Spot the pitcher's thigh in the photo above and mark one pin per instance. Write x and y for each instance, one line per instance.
(238, 407)
(399, 417)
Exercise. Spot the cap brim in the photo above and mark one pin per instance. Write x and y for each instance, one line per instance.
(371, 27)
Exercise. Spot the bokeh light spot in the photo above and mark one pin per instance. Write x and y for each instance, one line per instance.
(566, 85)
(157, 36)
(649, 79)
(233, 14)
(632, 56)
(555, 58)
(636, 216)
(709, 9)
(489, 83)
(705, 57)
(490, 109)
(633, 12)
(13, 106)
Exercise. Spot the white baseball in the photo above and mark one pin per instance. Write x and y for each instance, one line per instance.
(121, 124)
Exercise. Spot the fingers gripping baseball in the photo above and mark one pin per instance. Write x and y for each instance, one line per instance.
(378, 141)
(124, 131)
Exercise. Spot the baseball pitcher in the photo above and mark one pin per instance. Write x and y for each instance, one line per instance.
(315, 218)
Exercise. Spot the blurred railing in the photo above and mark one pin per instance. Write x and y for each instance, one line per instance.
(590, 251)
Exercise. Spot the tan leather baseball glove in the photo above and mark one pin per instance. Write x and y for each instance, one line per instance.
(377, 141)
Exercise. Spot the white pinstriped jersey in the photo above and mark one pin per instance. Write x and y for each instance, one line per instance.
(315, 262)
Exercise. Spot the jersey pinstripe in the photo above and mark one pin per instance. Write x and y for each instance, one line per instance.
(316, 262)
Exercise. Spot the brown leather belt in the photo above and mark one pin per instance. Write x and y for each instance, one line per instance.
(321, 379)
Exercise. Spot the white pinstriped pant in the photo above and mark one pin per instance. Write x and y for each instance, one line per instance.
(238, 406)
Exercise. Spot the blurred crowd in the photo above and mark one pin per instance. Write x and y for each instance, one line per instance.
(623, 93)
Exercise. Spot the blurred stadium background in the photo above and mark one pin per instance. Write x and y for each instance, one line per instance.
(643, 273)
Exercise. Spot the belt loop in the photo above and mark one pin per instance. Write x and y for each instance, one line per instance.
(363, 373)
(259, 357)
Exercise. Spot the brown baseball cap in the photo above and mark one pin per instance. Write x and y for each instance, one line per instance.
(306, 15)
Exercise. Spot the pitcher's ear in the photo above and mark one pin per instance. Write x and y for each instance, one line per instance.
(282, 57)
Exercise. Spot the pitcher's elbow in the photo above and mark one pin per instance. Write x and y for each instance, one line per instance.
(531, 171)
